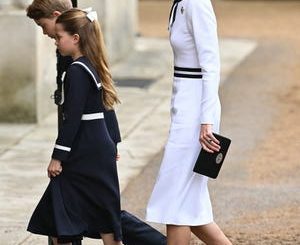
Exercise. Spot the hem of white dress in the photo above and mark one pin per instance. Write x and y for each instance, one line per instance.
(165, 222)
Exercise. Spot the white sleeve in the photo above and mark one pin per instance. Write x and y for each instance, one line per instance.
(202, 25)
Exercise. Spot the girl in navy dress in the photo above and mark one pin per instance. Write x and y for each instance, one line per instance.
(82, 198)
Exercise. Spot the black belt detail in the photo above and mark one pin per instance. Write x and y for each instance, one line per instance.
(176, 68)
(187, 75)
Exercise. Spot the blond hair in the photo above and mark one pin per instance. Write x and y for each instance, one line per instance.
(91, 44)
(45, 8)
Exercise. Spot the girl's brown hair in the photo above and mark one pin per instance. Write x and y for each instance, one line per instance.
(91, 44)
(45, 8)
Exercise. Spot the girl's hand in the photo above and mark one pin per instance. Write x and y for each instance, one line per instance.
(54, 168)
(207, 140)
(118, 157)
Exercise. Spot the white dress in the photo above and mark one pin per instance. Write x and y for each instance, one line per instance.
(180, 196)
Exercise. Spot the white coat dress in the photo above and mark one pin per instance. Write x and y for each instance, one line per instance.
(180, 196)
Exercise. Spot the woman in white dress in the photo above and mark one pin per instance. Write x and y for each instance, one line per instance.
(180, 198)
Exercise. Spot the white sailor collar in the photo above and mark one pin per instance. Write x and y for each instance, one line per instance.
(87, 66)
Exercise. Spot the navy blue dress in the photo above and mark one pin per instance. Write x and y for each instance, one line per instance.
(84, 200)
(109, 115)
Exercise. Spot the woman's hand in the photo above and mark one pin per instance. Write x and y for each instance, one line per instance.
(207, 140)
(118, 157)
(54, 168)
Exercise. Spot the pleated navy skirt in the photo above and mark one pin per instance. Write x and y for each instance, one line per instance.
(84, 200)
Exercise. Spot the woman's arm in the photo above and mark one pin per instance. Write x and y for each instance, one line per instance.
(202, 24)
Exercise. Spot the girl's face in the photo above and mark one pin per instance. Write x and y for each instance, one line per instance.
(66, 43)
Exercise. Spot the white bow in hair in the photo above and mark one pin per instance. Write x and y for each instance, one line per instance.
(90, 14)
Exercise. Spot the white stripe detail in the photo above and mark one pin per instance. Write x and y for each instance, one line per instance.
(89, 71)
(92, 116)
(63, 148)
(189, 72)
(62, 101)
(63, 76)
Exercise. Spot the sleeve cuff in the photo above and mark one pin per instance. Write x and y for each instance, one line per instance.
(61, 152)
(207, 119)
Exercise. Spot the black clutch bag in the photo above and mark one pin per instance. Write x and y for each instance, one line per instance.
(209, 164)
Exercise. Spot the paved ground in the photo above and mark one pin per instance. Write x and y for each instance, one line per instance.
(143, 116)
(256, 198)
